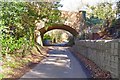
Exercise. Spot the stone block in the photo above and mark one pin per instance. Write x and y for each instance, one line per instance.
(108, 45)
(114, 72)
(112, 58)
(115, 52)
(116, 59)
(114, 76)
(112, 51)
(114, 65)
(116, 45)
(112, 45)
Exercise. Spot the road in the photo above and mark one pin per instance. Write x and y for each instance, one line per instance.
(60, 64)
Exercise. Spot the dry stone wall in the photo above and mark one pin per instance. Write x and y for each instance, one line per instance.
(105, 53)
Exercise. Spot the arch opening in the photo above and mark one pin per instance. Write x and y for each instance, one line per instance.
(58, 37)
(59, 27)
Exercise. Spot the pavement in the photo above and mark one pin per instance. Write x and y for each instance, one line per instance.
(60, 64)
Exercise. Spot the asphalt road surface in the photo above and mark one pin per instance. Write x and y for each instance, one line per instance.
(60, 64)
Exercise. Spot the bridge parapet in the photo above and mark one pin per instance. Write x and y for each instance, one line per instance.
(105, 53)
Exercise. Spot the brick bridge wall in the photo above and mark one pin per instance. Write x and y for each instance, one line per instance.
(104, 53)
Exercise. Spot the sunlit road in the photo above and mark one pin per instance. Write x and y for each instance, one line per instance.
(60, 64)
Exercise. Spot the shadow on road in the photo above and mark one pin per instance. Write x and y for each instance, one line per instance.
(59, 64)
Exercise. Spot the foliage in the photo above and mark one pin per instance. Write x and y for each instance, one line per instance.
(11, 64)
(94, 21)
(118, 7)
(11, 18)
(18, 19)
(9, 44)
(102, 12)
(44, 11)
(1, 76)
(56, 35)
(47, 37)
(17, 24)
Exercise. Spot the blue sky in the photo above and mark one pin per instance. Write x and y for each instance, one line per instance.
(76, 5)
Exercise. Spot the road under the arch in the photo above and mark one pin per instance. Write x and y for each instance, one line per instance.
(60, 64)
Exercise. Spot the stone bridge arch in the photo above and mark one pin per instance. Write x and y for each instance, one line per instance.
(74, 23)
(58, 26)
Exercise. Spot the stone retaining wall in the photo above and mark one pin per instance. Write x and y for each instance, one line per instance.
(105, 53)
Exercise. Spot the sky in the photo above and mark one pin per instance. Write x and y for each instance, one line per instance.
(77, 5)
